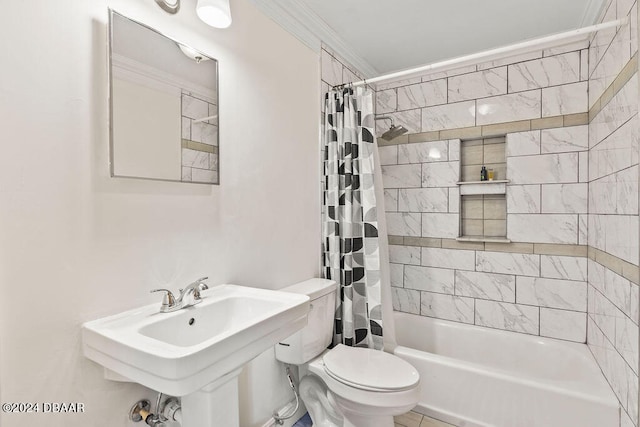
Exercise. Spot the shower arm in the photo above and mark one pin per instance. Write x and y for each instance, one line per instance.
(385, 118)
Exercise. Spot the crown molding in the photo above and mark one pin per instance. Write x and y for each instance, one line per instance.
(299, 20)
(593, 12)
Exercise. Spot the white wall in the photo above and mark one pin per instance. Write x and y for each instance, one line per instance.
(76, 245)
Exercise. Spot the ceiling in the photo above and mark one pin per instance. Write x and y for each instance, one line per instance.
(380, 36)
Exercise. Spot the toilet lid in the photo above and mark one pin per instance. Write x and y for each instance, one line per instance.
(369, 369)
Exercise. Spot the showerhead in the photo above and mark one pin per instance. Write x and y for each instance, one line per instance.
(394, 131)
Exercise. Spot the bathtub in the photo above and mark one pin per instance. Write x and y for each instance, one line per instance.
(472, 376)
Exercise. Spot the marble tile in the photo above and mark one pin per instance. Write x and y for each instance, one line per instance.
(602, 38)
(616, 152)
(627, 191)
(583, 230)
(552, 293)
(543, 228)
(540, 73)
(423, 152)
(562, 140)
(386, 101)
(349, 76)
(617, 289)
(330, 69)
(405, 300)
(410, 119)
(563, 267)
(443, 174)
(185, 128)
(450, 116)
(583, 166)
(404, 254)
(423, 200)
(194, 108)
(201, 175)
(497, 287)
(441, 225)
(397, 83)
(205, 133)
(509, 108)
(523, 199)
(577, 46)
(402, 176)
(510, 60)
(506, 316)
(565, 198)
(388, 155)
(565, 99)
(563, 324)
(448, 258)
(447, 307)
(634, 303)
(602, 195)
(476, 85)
(626, 341)
(450, 73)
(617, 112)
(523, 143)
(621, 236)
(195, 159)
(616, 56)
(403, 224)
(185, 174)
(454, 200)
(543, 169)
(507, 263)
(623, 7)
(454, 149)
(213, 161)
(422, 95)
(634, 28)
(396, 274)
(429, 279)
(391, 200)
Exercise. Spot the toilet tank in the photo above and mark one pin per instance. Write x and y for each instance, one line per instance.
(314, 338)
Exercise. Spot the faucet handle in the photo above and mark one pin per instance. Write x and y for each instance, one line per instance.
(168, 302)
(199, 287)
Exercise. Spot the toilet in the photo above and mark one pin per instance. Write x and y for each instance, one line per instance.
(344, 386)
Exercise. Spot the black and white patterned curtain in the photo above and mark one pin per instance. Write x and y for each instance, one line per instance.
(350, 223)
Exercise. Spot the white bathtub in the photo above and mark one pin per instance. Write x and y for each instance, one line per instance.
(474, 376)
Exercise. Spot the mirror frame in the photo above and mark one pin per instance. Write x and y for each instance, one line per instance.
(112, 13)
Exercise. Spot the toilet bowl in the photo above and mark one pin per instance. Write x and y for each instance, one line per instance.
(345, 386)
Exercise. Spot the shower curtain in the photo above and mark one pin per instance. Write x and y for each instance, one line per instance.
(351, 254)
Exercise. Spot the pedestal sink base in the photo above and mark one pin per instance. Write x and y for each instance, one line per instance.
(214, 405)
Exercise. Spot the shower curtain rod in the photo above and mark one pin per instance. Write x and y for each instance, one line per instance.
(488, 55)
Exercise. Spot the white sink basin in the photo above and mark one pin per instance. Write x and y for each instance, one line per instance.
(179, 353)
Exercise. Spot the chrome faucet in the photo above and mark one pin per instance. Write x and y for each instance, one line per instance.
(170, 303)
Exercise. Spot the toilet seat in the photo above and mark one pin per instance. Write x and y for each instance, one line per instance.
(368, 369)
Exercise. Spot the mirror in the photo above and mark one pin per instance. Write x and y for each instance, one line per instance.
(163, 106)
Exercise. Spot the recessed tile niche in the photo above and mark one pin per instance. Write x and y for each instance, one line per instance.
(483, 213)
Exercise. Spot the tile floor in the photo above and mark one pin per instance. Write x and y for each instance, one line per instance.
(410, 419)
(414, 419)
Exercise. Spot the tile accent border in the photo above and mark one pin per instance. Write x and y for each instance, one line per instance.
(199, 146)
(620, 81)
(624, 268)
(498, 129)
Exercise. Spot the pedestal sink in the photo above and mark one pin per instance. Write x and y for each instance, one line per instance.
(196, 352)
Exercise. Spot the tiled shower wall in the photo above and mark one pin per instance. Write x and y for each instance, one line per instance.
(199, 140)
(537, 284)
(613, 206)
